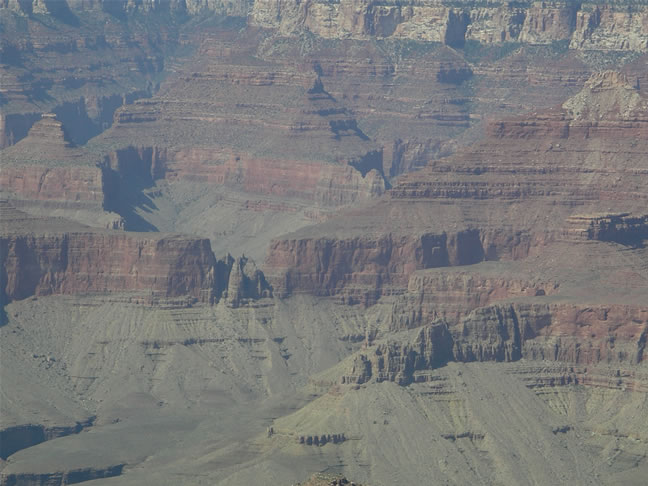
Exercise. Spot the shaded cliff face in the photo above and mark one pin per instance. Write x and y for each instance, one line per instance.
(568, 333)
(537, 178)
(268, 129)
(49, 256)
(587, 26)
(80, 65)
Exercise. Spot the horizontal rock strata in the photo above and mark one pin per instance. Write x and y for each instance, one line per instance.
(55, 256)
(507, 197)
(570, 333)
(582, 26)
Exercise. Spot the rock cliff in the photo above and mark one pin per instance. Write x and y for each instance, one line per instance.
(46, 173)
(245, 282)
(309, 146)
(532, 176)
(451, 295)
(58, 57)
(567, 333)
(399, 362)
(53, 256)
(583, 26)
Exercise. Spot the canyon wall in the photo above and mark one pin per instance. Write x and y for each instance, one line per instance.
(365, 267)
(80, 63)
(451, 295)
(362, 269)
(533, 181)
(567, 333)
(55, 256)
(62, 7)
(89, 262)
(582, 26)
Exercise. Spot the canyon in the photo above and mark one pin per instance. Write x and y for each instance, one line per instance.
(260, 242)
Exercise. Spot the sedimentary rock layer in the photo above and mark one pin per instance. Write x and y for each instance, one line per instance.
(587, 26)
(569, 333)
(270, 129)
(531, 181)
(55, 256)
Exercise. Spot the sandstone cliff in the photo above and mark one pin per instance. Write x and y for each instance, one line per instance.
(54, 256)
(533, 177)
(307, 147)
(586, 26)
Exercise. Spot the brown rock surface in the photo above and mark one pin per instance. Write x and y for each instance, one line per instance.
(529, 179)
(46, 165)
(50, 256)
(311, 147)
(505, 285)
(78, 64)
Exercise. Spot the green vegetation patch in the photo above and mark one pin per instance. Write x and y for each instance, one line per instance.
(475, 52)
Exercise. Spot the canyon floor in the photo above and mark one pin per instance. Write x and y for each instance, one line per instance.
(323, 243)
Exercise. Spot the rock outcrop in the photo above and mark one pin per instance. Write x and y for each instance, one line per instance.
(54, 256)
(452, 295)
(399, 362)
(321, 440)
(13, 439)
(61, 478)
(567, 333)
(530, 176)
(586, 26)
(246, 282)
(624, 228)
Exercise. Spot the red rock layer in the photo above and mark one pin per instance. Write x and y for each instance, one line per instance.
(451, 296)
(324, 183)
(53, 183)
(54, 256)
(90, 262)
(361, 269)
(528, 181)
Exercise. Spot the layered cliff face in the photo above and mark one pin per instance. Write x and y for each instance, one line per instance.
(398, 362)
(46, 165)
(360, 269)
(308, 147)
(567, 333)
(41, 257)
(586, 26)
(491, 280)
(54, 256)
(451, 295)
(78, 60)
(45, 173)
(532, 176)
